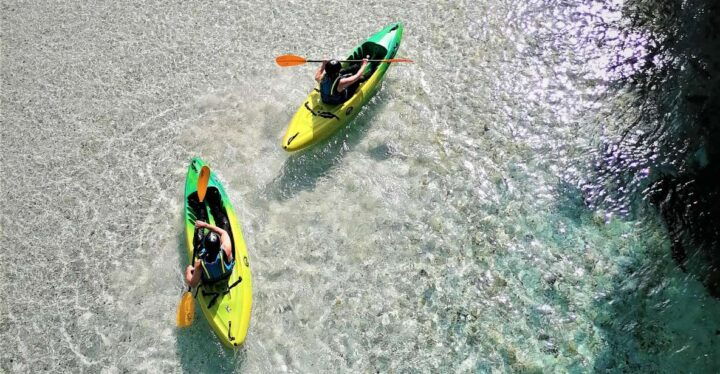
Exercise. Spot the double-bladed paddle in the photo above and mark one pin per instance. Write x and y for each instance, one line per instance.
(294, 60)
(186, 310)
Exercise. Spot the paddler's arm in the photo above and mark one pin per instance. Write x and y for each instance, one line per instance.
(226, 245)
(225, 242)
(193, 274)
(320, 71)
(346, 82)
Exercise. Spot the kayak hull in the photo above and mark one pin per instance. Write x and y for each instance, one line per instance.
(315, 121)
(225, 304)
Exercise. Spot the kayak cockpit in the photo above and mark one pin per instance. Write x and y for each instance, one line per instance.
(374, 50)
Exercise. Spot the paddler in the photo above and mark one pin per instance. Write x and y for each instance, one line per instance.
(335, 88)
(214, 259)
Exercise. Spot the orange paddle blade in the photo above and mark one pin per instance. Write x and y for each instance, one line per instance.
(186, 310)
(203, 182)
(290, 60)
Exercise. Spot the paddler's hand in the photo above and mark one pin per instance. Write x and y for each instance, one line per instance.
(189, 270)
(321, 71)
(362, 67)
(199, 224)
(365, 61)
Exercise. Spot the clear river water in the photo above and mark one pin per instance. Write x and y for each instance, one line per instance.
(475, 217)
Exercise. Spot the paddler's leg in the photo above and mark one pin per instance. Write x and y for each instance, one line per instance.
(197, 238)
(215, 202)
(200, 213)
(196, 207)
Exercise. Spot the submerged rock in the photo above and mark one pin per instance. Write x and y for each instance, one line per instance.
(550, 278)
(545, 309)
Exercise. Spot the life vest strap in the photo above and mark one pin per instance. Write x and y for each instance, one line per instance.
(333, 88)
(213, 300)
(215, 295)
(233, 285)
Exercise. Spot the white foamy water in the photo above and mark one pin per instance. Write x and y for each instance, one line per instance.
(443, 231)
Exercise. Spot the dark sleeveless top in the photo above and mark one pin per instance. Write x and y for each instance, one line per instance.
(329, 93)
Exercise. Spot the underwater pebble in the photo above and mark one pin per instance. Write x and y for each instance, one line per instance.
(545, 309)
(549, 347)
(550, 278)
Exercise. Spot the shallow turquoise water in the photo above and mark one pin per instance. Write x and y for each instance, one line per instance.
(446, 230)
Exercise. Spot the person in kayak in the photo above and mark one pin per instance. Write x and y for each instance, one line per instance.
(335, 87)
(214, 259)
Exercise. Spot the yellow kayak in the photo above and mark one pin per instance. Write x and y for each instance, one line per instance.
(227, 303)
(315, 121)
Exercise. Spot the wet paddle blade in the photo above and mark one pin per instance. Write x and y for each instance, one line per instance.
(203, 182)
(289, 60)
(186, 310)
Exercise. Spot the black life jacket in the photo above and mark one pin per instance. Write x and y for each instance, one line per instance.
(329, 93)
(215, 266)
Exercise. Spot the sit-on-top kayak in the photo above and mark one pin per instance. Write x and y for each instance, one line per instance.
(226, 303)
(315, 121)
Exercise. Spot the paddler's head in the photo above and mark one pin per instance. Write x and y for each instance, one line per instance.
(332, 68)
(211, 244)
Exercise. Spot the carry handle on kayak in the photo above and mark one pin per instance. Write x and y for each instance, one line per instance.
(294, 60)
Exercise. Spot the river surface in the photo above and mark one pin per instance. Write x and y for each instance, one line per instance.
(452, 227)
